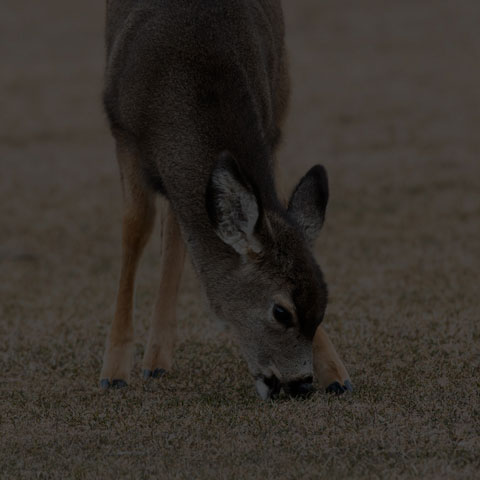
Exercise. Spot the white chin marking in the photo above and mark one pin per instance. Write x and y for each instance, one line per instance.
(262, 390)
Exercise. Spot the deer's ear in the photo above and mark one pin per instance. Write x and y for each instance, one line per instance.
(309, 202)
(232, 206)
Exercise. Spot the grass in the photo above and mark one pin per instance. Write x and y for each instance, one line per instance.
(397, 131)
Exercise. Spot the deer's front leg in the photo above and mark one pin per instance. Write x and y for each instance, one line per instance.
(329, 369)
(161, 342)
(138, 219)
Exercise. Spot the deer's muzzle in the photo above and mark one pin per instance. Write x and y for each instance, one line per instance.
(269, 387)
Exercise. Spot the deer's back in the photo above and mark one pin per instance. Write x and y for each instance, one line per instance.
(190, 78)
(165, 53)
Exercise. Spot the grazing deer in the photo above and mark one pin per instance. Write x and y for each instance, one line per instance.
(196, 93)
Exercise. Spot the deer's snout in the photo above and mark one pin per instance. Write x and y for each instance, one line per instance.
(300, 388)
(269, 387)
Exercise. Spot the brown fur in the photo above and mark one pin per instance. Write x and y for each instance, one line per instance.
(187, 80)
(161, 342)
(327, 364)
(138, 218)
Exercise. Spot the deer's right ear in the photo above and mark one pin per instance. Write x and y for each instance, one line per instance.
(309, 202)
(232, 206)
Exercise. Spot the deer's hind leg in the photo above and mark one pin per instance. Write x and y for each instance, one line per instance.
(138, 220)
(329, 369)
(161, 342)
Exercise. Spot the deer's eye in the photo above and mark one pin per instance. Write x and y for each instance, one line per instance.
(283, 316)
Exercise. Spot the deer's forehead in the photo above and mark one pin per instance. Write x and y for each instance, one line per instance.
(293, 260)
(285, 243)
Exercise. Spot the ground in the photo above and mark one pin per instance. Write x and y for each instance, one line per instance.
(385, 96)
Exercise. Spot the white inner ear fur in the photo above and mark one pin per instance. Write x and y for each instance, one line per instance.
(305, 211)
(311, 223)
(238, 214)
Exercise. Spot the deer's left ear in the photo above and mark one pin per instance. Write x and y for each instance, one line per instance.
(309, 202)
(232, 206)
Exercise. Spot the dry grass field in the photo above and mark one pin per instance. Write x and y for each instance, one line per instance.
(387, 97)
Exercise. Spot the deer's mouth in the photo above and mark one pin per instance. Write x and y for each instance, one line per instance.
(270, 387)
(301, 388)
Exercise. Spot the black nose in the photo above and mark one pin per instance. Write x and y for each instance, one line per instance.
(273, 383)
(301, 388)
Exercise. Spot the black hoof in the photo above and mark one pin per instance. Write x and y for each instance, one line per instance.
(336, 388)
(159, 372)
(119, 383)
(348, 385)
(104, 384)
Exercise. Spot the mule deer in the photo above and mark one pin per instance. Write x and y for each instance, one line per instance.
(196, 92)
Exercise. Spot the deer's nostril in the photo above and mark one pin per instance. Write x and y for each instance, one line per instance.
(273, 383)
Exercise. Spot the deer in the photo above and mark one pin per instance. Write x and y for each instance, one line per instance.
(196, 93)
